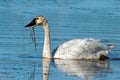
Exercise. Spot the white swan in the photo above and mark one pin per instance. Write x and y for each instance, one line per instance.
(87, 48)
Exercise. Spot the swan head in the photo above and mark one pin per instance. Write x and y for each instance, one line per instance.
(38, 20)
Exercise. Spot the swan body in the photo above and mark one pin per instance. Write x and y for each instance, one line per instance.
(87, 48)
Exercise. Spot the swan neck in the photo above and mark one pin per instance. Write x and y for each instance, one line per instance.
(46, 47)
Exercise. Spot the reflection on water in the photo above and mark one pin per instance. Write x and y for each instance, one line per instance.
(46, 68)
(86, 70)
(32, 75)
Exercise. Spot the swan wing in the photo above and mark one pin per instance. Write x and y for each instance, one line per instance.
(87, 48)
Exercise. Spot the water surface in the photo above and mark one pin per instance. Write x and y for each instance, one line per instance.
(20, 56)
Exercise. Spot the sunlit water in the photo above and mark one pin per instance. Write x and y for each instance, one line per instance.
(20, 56)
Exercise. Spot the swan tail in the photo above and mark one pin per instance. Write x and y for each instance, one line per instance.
(103, 57)
(110, 47)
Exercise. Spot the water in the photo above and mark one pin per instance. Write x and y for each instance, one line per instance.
(20, 57)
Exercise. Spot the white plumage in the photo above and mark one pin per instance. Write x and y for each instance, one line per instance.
(87, 48)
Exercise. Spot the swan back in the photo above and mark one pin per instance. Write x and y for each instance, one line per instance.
(87, 48)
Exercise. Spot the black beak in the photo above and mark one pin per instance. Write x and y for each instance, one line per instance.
(31, 24)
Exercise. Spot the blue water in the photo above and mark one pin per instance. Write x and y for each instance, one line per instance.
(21, 58)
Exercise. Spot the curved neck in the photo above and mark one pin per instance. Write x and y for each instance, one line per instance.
(46, 48)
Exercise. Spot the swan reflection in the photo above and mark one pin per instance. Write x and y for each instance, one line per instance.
(87, 70)
(46, 68)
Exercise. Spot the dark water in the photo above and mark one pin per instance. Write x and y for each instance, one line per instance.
(20, 57)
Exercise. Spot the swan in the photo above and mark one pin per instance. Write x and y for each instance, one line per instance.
(87, 48)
